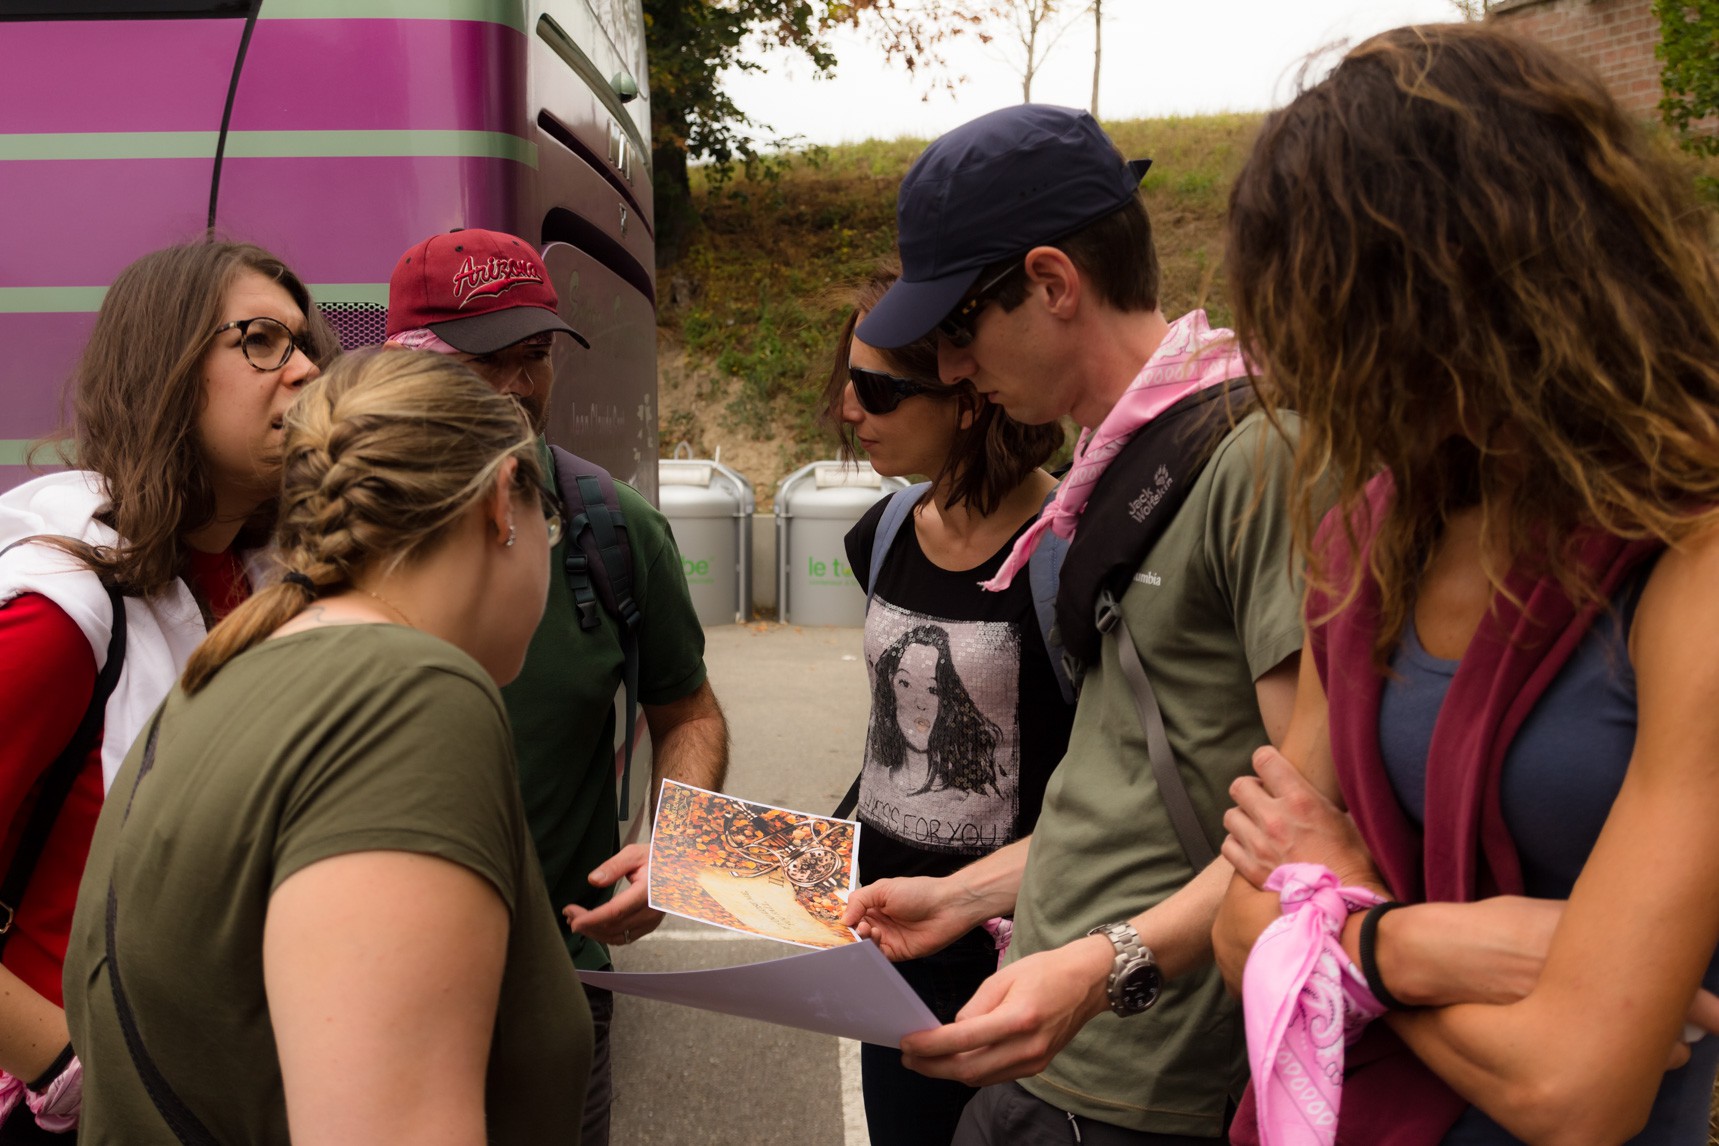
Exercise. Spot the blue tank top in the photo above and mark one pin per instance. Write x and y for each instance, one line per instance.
(1560, 776)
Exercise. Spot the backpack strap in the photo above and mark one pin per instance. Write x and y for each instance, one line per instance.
(598, 561)
(898, 511)
(62, 774)
(1171, 787)
(185, 1125)
(1044, 574)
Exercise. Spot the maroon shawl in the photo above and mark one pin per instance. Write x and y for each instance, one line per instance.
(1465, 852)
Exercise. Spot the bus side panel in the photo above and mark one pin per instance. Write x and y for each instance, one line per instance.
(604, 405)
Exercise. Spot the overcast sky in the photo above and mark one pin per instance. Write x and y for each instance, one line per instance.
(1161, 57)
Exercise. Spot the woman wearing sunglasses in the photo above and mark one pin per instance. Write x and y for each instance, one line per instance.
(967, 717)
(316, 857)
(178, 400)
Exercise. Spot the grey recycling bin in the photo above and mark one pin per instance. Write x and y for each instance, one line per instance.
(710, 508)
(816, 505)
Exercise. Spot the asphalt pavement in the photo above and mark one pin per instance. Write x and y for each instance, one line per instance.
(797, 702)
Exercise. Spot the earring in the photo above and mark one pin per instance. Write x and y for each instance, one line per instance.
(512, 534)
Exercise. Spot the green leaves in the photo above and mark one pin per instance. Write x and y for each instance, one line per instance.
(1689, 49)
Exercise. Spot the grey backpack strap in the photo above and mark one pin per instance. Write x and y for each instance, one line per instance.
(1044, 574)
(898, 511)
(1171, 787)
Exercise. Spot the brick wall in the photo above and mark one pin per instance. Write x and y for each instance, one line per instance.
(1614, 37)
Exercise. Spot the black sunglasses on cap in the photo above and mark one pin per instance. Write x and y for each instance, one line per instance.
(881, 393)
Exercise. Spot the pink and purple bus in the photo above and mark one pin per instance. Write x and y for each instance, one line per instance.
(335, 133)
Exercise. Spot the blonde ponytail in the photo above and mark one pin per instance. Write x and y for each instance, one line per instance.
(356, 492)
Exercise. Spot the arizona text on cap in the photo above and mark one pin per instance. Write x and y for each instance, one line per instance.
(478, 291)
(991, 188)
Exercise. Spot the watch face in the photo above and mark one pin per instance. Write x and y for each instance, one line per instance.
(1139, 986)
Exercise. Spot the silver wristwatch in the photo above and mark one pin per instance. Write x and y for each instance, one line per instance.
(1135, 980)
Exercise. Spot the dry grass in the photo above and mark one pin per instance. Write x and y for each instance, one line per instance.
(749, 312)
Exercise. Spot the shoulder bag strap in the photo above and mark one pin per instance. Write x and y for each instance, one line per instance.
(186, 1126)
(1171, 787)
(60, 776)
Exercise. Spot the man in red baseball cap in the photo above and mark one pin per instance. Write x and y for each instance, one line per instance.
(486, 298)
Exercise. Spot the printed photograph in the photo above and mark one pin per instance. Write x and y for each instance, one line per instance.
(754, 868)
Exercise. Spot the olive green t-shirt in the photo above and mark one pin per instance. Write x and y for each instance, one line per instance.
(562, 706)
(327, 742)
(1214, 606)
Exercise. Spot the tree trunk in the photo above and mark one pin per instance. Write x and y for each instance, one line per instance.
(1097, 49)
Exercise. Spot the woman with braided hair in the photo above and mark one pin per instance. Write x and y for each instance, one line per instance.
(196, 353)
(318, 861)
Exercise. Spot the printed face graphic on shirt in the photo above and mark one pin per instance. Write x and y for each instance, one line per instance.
(942, 765)
(916, 695)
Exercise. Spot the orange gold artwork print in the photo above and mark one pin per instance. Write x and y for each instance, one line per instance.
(749, 867)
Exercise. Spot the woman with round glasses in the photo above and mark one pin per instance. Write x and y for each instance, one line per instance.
(178, 399)
(968, 719)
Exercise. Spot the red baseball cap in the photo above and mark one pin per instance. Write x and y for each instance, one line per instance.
(478, 291)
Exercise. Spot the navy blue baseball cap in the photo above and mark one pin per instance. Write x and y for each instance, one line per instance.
(997, 186)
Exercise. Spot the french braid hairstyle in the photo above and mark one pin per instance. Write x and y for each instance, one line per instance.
(359, 492)
(1460, 262)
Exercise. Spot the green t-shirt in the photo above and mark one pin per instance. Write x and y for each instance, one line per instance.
(327, 742)
(1214, 606)
(562, 707)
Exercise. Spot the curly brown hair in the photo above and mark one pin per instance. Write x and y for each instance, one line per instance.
(989, 458)
(1461, 263)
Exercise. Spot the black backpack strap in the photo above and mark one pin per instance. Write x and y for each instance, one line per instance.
(62, 774)
(1171, 787)
(186, 1126)
(598, 560)
(849, 801)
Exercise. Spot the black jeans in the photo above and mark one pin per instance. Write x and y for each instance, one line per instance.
(902, 1106)
(600, 1094)
(1006, 1115)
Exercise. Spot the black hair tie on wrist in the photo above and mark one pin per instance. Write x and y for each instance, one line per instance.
(55, 1068)
(1369, 959)
(303, 582)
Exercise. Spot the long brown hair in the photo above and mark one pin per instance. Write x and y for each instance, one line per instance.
(137, 394)
(356, 492)
(1460, 262)
(989, 458)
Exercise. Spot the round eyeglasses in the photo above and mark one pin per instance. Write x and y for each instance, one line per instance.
(266, 342)
(881, 393)
(957, 325)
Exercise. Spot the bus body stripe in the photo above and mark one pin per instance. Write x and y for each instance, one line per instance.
(108, 145)
(87, 299)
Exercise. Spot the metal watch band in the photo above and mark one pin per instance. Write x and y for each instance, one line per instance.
(1130, 952)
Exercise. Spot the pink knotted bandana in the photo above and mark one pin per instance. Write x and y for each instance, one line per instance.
(1303, 1002)
(56, 1108)
(1192, 357)
(420, 338)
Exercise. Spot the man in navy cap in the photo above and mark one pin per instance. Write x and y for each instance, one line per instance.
(1025, 243)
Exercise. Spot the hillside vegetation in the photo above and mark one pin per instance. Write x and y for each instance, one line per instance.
(747, 317)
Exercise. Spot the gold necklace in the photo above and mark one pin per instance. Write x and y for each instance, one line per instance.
(391, 607)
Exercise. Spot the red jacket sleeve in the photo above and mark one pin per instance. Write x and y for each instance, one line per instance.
(47, 677)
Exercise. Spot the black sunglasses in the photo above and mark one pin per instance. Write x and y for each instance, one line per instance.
(957, 325)
(881, 393)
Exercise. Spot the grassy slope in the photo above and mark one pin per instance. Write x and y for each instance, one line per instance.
(750, 311)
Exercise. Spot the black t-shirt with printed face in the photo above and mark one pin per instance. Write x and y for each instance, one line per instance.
(967, 721)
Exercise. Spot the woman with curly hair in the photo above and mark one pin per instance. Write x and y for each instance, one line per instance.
(968, 719)
(1495, 309)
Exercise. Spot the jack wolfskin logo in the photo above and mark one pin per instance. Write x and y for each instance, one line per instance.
(1142, 506)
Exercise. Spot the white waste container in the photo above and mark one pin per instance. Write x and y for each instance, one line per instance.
(710, 508)
(816, 505)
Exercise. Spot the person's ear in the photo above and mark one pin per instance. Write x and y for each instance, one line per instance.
(1053, 273)
(499, 504)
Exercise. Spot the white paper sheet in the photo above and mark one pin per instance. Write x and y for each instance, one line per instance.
(850, 991)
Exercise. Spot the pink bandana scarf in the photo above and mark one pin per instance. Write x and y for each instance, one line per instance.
(421, 338)
(1303, 1002)
(1192, 357)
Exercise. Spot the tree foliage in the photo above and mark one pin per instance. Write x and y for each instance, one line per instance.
(692, 43)
(1689, 50)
